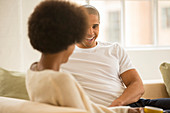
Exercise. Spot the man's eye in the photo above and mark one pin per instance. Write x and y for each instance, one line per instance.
(95, 25)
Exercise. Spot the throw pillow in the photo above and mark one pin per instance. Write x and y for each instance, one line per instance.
(12, 84)
(165, 71)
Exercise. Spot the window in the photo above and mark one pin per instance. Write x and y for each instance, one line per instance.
(164, 23)
(134, 23)
(114, 28)
(138, 23)
(165, 17)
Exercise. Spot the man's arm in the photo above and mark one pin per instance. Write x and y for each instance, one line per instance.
(134, 89)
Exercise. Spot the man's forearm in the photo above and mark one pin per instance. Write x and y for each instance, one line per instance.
(131, 94)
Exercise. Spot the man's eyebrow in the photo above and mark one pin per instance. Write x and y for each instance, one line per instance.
(95, 24)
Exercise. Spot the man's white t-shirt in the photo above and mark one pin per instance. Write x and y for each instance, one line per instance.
(98, 70)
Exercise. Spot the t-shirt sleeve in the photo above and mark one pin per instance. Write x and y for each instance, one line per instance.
(125, 63)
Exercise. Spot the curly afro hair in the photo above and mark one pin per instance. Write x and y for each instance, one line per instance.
(56, 24)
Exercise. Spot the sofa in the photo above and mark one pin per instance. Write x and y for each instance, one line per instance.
(13, 105)
(14, 98)
(155, 89)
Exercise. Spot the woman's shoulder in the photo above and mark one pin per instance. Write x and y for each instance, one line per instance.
(46, 72)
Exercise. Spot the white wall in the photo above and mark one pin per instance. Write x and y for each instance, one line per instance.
(17, 54)
(15, 50)
(10, 34)
(147, 62)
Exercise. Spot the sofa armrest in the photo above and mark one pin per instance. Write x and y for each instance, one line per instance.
(11, 105)
(155, 89)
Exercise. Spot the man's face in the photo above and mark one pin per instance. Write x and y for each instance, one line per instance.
(92, 34)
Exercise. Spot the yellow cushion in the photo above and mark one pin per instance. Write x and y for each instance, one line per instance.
(12, 84)
(165, 71)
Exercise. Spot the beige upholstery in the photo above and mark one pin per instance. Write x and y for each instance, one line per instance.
(11, 105)
(155, 89)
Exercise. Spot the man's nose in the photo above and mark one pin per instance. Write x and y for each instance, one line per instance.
(90, 31)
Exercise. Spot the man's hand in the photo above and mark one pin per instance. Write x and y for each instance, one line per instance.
(136, 110)
(117, 102)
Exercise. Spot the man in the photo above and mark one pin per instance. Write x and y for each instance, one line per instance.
(105, 71)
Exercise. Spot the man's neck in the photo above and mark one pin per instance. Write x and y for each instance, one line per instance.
(81, 45)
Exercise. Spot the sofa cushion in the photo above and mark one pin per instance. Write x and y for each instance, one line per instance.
(165, 71)
(12, 84)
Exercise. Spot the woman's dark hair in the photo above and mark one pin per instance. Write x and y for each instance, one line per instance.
(56, 24)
